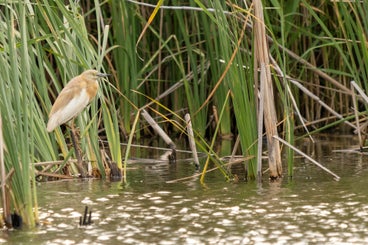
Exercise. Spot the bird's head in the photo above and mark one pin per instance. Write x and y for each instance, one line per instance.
(93, 74)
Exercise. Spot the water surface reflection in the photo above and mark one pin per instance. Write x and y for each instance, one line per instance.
(311, 208)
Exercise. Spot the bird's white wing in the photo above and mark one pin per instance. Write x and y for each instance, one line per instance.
(68, 111)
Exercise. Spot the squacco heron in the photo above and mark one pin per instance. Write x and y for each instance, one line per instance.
(73, 98)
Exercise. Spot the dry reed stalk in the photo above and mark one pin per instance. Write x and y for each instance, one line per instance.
(235, 148)
(53, 175)
(304, 62)
(260, 121)
(311, 95)
(270, 118)
(336, 177)
(191, 140)
(361, 130)
(287, 88)
(361, 143)
(310, 66)
(161, 133)
(360, 91)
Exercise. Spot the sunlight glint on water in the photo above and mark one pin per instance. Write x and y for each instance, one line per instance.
(310, 209)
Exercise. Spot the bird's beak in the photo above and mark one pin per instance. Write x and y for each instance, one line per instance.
(103, 74)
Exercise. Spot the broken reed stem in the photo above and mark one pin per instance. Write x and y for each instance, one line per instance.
(151, 147)
(360, 91)
(157, 128)
(53, 162)
(270, 119)
(356, 115)
(192, 140)
(53, 175)
(310, 94)
(235, 148)
(260, 122)
(287, 88)
(336, 177)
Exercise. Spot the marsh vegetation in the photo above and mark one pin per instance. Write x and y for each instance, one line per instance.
(249, 71)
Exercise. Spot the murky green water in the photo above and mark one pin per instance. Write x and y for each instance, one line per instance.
(312, 208)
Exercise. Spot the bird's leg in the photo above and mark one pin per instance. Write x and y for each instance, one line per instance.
(79, 158)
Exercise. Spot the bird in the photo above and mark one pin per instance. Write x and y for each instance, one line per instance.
(73, 98)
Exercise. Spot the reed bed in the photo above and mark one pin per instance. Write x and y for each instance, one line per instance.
(242, 70)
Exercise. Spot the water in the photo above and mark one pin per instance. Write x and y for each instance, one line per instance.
(312, 208)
